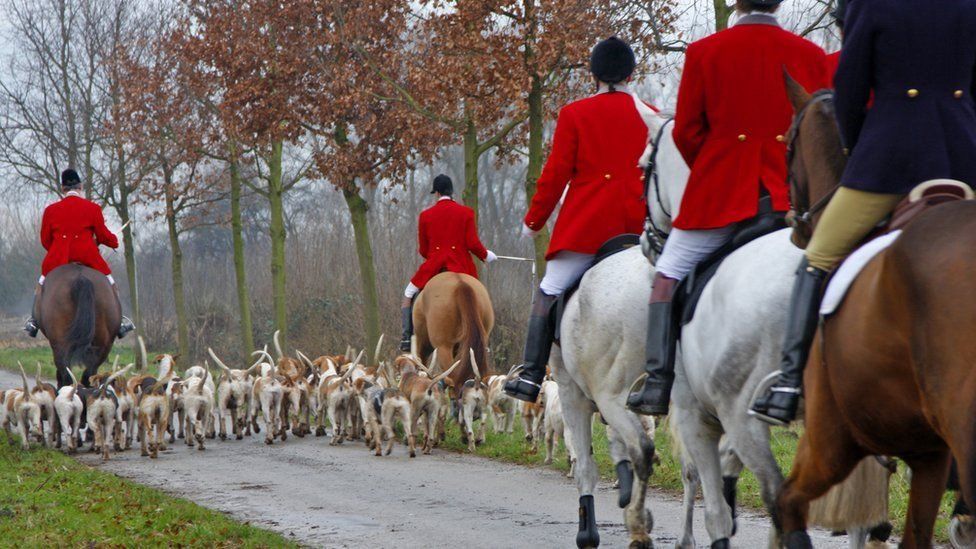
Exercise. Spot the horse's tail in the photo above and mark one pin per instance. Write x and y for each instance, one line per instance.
(82, 329)
(861, 501)
(473, 334)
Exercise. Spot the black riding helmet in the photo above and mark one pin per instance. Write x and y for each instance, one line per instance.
(69, 178)
(612, 61)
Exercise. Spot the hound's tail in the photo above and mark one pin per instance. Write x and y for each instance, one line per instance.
(474, 337)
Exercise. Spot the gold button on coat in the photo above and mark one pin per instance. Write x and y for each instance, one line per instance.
(912, 92)
(780, 138)
(742, 137)
(957, 94)
(607, 177)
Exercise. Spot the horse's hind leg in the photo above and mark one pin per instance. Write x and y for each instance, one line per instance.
(748, 441)
(929, 474)
(690, 482)
(577, 414)
(701, 440)
(630, 442)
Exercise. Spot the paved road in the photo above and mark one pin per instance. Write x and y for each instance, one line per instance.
(343, 496)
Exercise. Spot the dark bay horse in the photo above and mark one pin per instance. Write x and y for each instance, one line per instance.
(892, 372)
(80, 316)
(454, 315)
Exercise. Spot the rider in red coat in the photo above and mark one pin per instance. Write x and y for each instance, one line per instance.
(593, 168)
(447, 237)
(730, 126)
(72, 229)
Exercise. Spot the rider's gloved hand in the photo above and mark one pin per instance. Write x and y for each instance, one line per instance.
(490, 257)
(527, 232)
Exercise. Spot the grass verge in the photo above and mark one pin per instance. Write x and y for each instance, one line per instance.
(667, 474)
(31, 356)
(50, 500)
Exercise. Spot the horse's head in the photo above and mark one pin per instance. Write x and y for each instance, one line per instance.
(815, 157)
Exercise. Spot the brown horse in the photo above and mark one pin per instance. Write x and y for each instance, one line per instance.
(891, 373)
(454, 315)
(80, 316)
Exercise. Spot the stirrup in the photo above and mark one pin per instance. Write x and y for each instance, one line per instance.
(125, 327)
(522, 389)
(31, 327)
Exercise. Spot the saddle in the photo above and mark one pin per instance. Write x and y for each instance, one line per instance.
(924, 197)
(689, 290)
(609, 248)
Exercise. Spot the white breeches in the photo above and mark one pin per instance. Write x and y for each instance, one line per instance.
(411, 291)
(685, 249)
(109, 277)
(564, 270)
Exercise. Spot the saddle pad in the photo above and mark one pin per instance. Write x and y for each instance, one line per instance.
(849, 269)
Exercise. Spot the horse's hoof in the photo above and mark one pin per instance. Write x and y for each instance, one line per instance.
(625, 477)
(721, 544)
(798, 540)
(588, 536)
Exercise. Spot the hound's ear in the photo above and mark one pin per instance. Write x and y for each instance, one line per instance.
(797, 94)
(158, 358)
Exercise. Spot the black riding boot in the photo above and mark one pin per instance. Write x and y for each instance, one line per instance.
(779, 404)
(126, 325)
(406, 320)
(538, 343)
(31, 326)
(653, 397)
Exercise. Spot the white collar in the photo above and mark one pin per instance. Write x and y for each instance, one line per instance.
(444, 198)
(73, 193)
(605, 88)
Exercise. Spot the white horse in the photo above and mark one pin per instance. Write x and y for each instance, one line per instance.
(733, 343)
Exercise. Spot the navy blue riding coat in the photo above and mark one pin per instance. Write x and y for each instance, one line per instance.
(918, 56)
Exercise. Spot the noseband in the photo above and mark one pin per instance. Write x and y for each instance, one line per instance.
(801, 211)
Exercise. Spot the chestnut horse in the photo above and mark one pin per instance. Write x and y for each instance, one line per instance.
(80, 317)
(453, 314)
(892, 372)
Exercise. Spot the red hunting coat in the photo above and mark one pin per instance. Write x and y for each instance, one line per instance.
(595, 149)
(833, 59)
(71, 231)
(447, 236)
(733, 115)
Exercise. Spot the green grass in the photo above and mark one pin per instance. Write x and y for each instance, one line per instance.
(50, 500)
(667, 474)
(29, 357)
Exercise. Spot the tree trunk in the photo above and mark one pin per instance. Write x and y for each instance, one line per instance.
(179, 298)
(541, 241)
(129, 249)
(470, 194)
(722, 13)
(237, 230)
(367, 268)
(275, 199)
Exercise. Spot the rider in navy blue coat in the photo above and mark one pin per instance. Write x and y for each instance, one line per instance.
(918, 58)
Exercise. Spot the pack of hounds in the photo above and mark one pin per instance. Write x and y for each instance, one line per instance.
(300, 395)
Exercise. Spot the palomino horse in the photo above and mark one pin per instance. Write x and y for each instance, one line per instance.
(454, 316)
(892, 371)
(80, 316)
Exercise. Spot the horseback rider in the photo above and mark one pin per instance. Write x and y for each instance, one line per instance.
(595, 148)
(919, 65)
(71, 231)
(447, 236)
(729, 126)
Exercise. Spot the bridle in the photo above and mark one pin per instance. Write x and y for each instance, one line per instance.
(656, 236)
(801, 212)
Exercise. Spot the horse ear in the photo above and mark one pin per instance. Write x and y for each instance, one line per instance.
(797, 94)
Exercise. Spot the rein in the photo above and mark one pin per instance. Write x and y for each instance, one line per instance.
(656, 236)
(801, 213)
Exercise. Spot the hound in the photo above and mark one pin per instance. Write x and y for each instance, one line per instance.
(471, 406)
(532, 415)
(125, 411)
(267, 395)
(102, 408)
(155, 411)
(44, 394)
(234, 397)
(335, 399)
(502, 406)
(423, 393)
(23, 412)
(553, 425)
(69, 407)
(198, 402)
